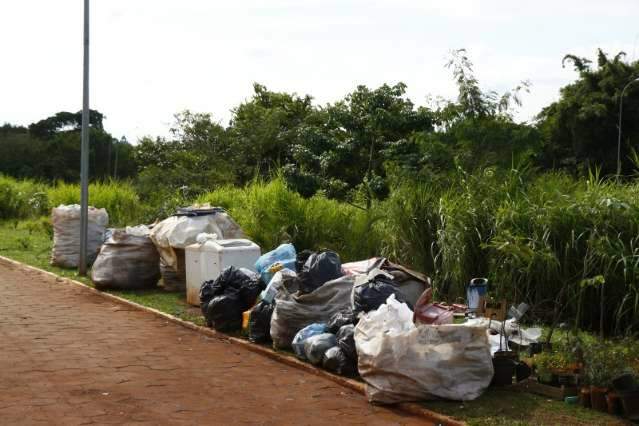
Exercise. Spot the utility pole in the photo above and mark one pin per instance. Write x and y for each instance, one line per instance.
(84, 155)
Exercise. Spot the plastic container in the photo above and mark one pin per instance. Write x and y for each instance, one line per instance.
(284, 256)
(475, 294)
(571, 400)
(206, 261)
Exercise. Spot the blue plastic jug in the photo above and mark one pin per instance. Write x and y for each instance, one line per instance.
(474, 292)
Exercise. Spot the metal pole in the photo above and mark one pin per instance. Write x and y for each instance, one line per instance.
(84, 156)
(619, 138)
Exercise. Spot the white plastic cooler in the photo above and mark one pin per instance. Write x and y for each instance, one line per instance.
(206, 261)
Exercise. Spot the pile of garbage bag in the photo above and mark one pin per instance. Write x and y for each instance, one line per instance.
(224, 299)
(66, 238)
(336, 353)
(127, 260)
(372, 318)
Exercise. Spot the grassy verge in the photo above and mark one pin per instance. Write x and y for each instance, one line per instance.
(25, 242)
(506, 407)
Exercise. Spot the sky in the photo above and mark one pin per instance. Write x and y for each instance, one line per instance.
(153, 58)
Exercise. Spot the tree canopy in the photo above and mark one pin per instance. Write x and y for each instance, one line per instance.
(580, 130)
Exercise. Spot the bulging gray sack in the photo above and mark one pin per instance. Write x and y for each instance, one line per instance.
(66, 234)
(295, 311)
(126, 261)
(403, 362)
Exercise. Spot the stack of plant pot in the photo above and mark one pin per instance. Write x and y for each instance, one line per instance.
(606, 389)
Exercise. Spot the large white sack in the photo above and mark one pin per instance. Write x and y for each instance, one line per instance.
(403, 362)
(127, 260)
(66, 234)
(295, 311)
(181, 231)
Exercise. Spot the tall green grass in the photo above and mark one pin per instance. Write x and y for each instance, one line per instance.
(563, 241)
(270, 213)
(569, 247)
(119, 198)
(20, 199)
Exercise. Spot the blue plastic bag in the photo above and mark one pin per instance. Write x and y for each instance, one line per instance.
(301, 336)
(285, 255)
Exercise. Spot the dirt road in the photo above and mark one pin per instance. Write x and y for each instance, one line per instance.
(68, 356)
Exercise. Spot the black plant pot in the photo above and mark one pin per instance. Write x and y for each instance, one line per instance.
(504, 370)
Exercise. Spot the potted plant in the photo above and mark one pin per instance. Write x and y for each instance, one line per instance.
(542, 366)
(602, 364)
(556, 368)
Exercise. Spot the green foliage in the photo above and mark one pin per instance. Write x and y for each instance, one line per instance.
(50, 150)
(580, 130)
(606, 359)
(341, 149)
(21, 198)
(560, 233)
(263, 131)
(271, 213)
(410, 225)
(119, 198)
(548, 362)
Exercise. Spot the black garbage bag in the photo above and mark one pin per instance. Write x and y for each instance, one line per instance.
(346, 341)
(319, 269)
(301, 259)
(336, 361)
(260, 322)
(370, 295)
(224, 313)
(316, 346)
(341, 319)
(239, 287)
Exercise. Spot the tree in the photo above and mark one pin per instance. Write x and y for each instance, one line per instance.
(195, 159)
(341, 148)
(49, 127)
(580, 129)
(263, 129)
(50, 149)
(477, 130)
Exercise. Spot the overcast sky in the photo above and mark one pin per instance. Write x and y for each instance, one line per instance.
(153, 58)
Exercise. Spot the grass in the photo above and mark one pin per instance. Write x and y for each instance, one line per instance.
(506, 407)
(270, 213)
(30, 243)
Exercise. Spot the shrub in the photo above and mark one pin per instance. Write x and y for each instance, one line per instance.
(561, 242)
(20, 199)
(271, 213)
(119, 198)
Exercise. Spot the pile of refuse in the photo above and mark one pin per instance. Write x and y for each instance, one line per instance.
(137, 257)
(371, 318)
